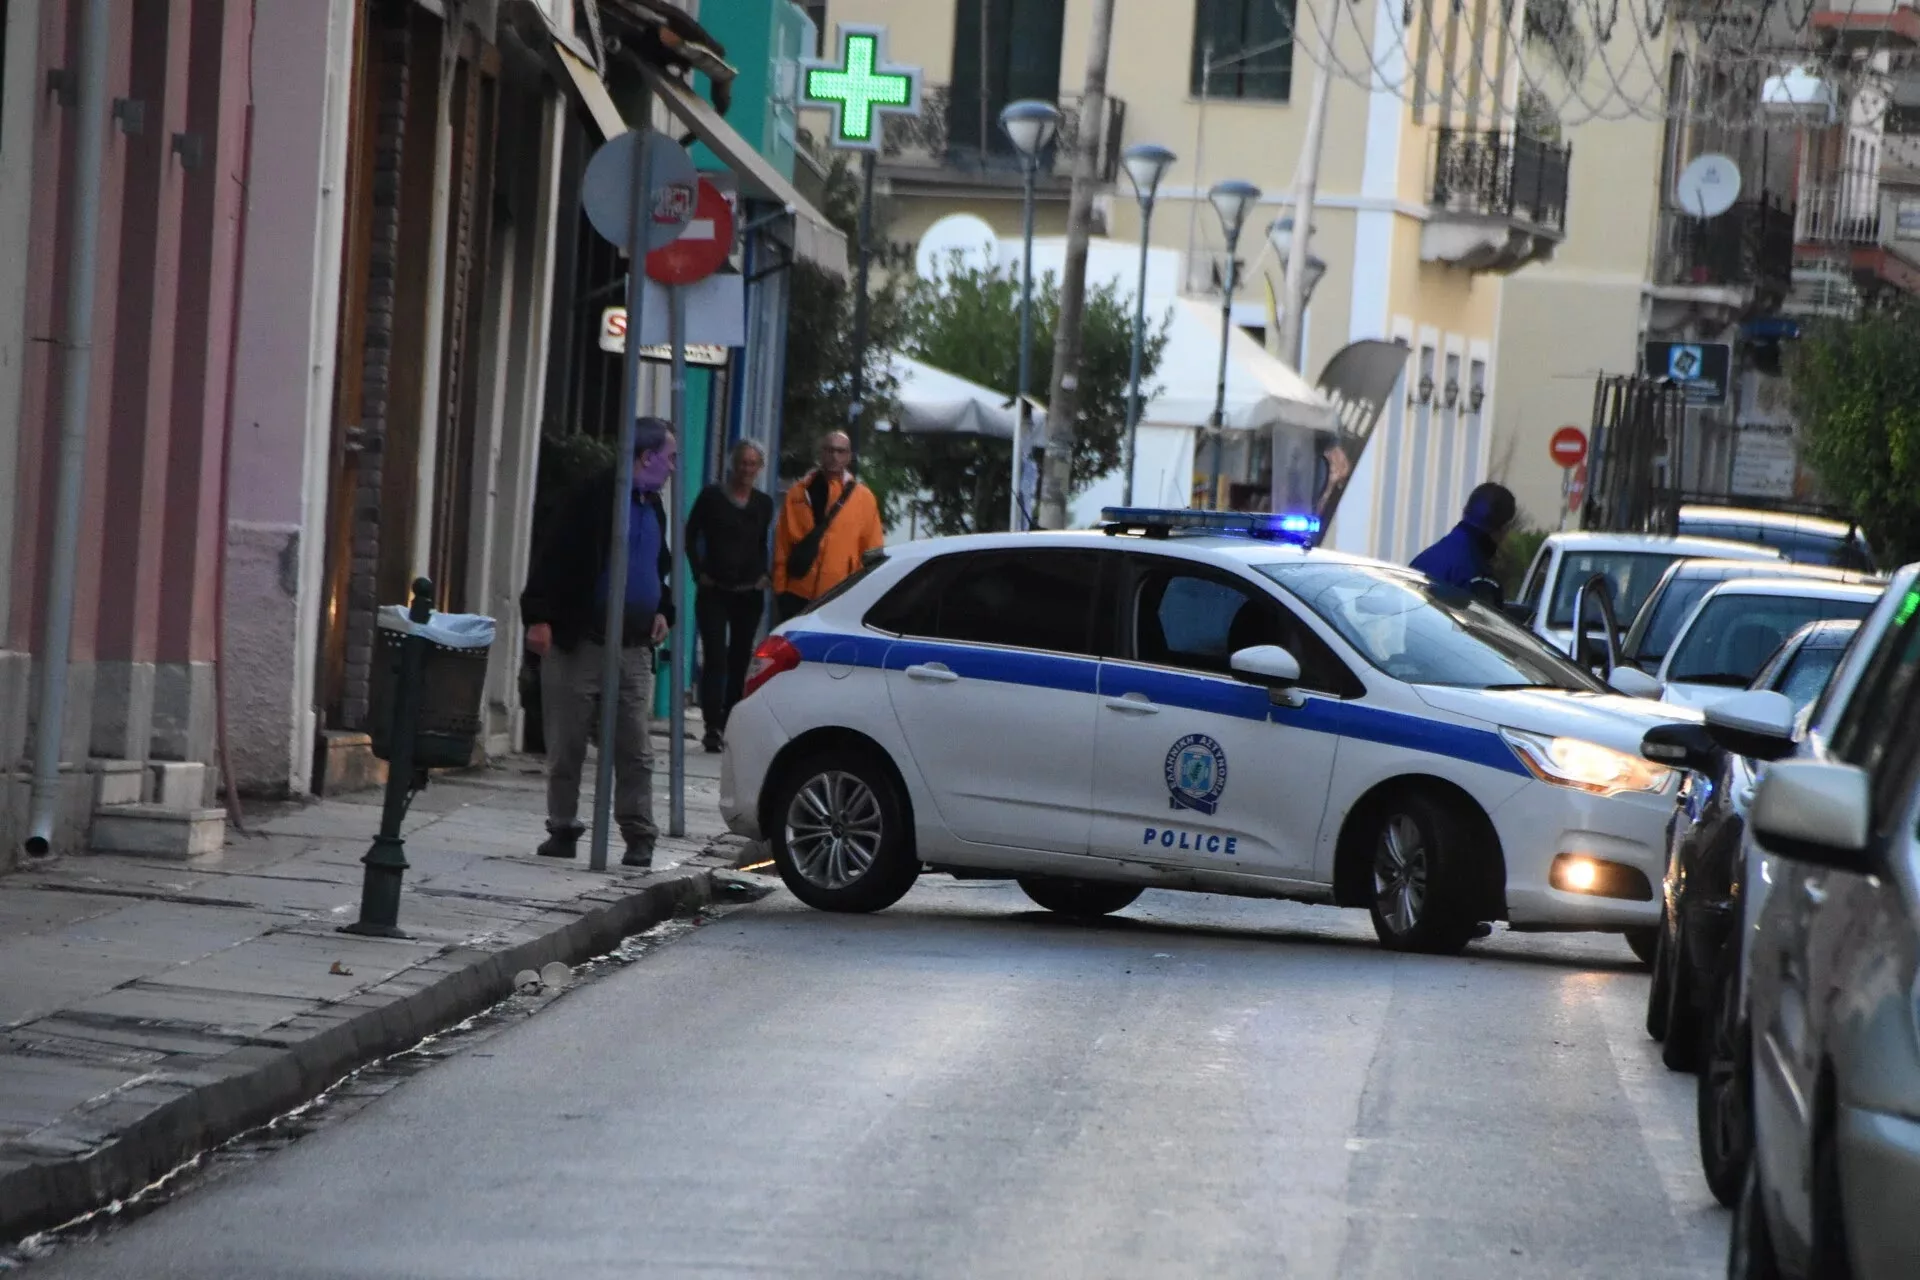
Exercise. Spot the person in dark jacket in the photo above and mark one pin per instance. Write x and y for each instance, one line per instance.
(565, 610)
(1464, 557)
(728, 548)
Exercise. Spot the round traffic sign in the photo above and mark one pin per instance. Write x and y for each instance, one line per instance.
(703, 248)
(1568, 446)
(606, 189)
(1577, 487)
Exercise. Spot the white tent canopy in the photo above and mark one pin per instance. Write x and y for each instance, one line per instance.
(935, 402)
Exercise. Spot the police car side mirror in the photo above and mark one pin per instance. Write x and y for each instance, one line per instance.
(1266, 664)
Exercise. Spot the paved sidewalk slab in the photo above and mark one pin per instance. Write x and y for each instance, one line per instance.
(151, 1010)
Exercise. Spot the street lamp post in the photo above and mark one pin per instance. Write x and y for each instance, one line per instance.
(1030, 126)
(1233, 200)
(1146, 164)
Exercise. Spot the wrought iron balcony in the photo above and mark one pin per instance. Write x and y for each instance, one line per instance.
(1748, 246)
(1499, 199)
(957, 139)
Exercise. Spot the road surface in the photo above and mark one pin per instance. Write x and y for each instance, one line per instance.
(965, 1086)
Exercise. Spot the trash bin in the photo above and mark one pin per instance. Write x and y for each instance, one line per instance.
(453, 685)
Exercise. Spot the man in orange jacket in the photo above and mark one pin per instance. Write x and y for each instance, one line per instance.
(828, 523)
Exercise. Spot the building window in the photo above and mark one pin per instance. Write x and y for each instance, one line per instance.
(1243, 49)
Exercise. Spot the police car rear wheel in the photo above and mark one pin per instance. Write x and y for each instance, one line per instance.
(842, 841)
(1418, 848)
(1081, 899)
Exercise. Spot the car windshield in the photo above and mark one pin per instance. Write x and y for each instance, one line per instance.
(1632, 574)
(1733, 635)
(1416, 631)
(1807, 674)
(1670, 608)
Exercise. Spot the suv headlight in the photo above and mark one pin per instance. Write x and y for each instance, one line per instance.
(1587, 766)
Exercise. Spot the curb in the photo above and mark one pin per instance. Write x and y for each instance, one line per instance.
(180, 1111)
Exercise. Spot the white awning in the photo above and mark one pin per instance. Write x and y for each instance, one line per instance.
(592, 90)
(814, 238)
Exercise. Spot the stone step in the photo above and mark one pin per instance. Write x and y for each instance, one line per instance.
(157, 831)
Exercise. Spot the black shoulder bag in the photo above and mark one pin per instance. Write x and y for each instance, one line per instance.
(804, 552)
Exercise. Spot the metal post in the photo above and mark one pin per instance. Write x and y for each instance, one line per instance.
(386, 861)
(90, 121)
(682, 637)
(616, 617)
(1020, 418)
(1218, 421)
(1139, 343)
(1306, 184)
(861, 304)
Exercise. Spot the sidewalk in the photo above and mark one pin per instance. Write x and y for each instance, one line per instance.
(149, 1010)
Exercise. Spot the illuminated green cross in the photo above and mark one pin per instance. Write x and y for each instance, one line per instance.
(860, 88)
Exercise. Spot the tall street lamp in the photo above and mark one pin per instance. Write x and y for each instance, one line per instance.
(1030, 126)
(1233, 200)
(1146, 164)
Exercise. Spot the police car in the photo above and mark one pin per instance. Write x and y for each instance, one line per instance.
(1200, 701)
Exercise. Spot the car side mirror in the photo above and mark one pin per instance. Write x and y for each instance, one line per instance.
(1757, 724)
(1681, 746)
(1817, 812)
(1519, 612)
(1636, 683)
(1268, 665)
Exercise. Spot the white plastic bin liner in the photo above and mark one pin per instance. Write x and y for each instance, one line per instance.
(450, 630)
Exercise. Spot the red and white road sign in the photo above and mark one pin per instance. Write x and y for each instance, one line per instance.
(1568, 446)
(703, 248)
(1577, 487)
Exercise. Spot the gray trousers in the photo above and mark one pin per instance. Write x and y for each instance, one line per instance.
(570, 701)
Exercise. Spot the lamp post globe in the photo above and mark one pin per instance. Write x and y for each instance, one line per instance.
(1030, 125)
(1146, 164)
(1233, 200)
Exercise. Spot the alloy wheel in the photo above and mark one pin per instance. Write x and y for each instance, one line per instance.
(834, 829)
(1400, 865)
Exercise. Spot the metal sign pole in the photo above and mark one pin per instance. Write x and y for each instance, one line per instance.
(677, 657)
(615, 634)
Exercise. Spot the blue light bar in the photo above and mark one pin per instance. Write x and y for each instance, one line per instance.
(1299, 527)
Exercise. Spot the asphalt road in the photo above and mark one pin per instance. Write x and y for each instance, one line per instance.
(965, 1086)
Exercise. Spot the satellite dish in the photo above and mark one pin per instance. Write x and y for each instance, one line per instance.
(1708, 187)
(958, 233)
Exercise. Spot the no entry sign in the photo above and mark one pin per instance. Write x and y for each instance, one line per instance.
(1568, 446)
(703, 248)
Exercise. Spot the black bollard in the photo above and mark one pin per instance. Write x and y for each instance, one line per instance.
(386, 861)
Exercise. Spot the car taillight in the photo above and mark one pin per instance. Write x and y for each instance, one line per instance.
(775, 654)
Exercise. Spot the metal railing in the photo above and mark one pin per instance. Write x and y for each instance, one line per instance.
(1749, 244)
(962, 134)
(1844, 209)
(1502, 174)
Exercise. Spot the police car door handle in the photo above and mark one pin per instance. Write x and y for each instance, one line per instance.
(1136, 703)
(932, 673)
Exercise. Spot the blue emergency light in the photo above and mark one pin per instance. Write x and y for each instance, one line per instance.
(1159, 522)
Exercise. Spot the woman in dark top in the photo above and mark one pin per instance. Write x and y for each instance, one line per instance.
(727, 547)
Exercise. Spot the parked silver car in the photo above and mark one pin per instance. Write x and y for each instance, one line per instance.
(1833, 983)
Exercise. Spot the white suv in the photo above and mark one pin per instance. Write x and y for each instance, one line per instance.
(1159, 706)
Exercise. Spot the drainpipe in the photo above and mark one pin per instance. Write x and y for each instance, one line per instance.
(90, 145)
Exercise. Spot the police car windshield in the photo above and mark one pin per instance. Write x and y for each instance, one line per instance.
(1421, 633)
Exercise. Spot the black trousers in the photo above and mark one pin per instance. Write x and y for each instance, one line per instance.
(729, 623)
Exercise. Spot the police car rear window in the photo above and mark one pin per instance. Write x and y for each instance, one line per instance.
(1021, 599)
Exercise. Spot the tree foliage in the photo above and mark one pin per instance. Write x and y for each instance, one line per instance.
(1856, 389)
(968, 323)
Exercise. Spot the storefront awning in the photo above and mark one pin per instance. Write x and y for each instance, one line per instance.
(815, 239)
(592, 90)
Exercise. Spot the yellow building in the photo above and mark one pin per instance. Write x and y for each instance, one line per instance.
(1427, 196)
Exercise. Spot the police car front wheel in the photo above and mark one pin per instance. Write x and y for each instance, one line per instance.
(842, 843)
(1081, 899)
(1418, 873)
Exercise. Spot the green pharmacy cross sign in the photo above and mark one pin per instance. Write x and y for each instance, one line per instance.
(861, 88)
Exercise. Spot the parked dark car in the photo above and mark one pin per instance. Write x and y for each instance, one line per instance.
(1807, 539)
(1653, 629)
(1703, 863)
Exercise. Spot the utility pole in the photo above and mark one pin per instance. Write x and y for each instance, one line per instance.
(1306, 183)
(1063, 400)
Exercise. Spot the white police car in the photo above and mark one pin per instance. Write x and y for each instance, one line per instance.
(1188, 700)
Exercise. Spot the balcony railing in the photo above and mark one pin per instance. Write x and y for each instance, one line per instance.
(1750, 244)
(1501, 174)
(960, 135)
(1842, 211)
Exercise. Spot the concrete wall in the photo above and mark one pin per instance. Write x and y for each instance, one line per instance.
(283, 389)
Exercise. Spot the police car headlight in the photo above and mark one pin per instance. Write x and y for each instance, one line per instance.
(1587, 766)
